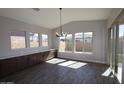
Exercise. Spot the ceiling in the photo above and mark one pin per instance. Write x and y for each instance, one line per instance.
(49, 17)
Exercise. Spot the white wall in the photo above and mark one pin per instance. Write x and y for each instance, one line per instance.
(99, 29)
(6, 26)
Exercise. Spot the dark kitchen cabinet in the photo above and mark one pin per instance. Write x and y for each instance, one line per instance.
(8, 66)
(11, 65)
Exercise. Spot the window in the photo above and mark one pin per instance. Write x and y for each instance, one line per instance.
(34, 39)
(66, 43)
(78, 42)
(44, 40)
(83, 42)
(62, 44)
(87, 42)
(18, 40)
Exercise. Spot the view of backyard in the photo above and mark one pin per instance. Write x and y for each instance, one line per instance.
(34, 39)
(18, 40)
(81, 44)
(44, 40)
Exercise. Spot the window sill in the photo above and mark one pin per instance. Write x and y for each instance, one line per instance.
(83, 52)
(44, 46)
(18, 49)
(89, 53)
(65, 52)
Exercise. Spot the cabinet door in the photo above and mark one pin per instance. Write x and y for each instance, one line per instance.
(39, 57)
(45, 55)
(21, 62)
(32, 59)
(8, 66)
(50, 55)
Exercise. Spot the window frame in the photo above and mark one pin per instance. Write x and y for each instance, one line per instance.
(65, 42)
(25, 41)
(71, 42)
(83, 42)
(38, 39)
(75, 42)
(41, 40)
(91, 43)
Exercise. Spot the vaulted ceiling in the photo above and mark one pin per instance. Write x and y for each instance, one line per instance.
(49, 17)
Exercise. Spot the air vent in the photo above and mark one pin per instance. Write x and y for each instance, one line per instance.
(36, 9)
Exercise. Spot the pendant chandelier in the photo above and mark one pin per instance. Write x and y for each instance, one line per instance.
(61, 34)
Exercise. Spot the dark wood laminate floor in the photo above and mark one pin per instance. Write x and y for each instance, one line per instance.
(58, 71)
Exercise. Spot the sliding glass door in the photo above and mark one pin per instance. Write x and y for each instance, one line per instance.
(116, 48)
(112, 48)
(120, 53)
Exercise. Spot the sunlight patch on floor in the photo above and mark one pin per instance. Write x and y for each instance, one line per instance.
(107, 72)
(73, 64)
(119, 75)
(67, 63)
(55, 61)
(77, 65)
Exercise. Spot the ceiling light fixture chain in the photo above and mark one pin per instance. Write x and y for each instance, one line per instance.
(60, 21)
(61, 34)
